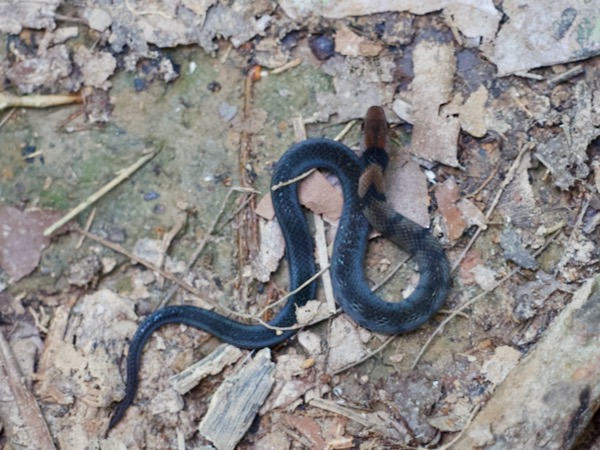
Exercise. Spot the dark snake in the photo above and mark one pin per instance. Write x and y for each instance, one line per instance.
(362, 184)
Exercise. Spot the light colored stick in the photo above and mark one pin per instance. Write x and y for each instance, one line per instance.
(323, 258)
(36, 101)
(287, 66)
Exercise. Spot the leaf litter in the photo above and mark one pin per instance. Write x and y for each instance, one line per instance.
(464, 105)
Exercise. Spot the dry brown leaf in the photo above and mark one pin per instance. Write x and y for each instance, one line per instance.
(315, 193)
(447, 194)
(358, 83)
(22, 240)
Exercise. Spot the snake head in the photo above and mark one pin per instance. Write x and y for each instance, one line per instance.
(375, 129)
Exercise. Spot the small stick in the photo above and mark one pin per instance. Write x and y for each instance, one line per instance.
(88, 225)
(37, 101)
(300, 135)
(292, 181)
(531, 76)
(250, 196)
(299, 129)
(7, 117)
(100, 193)
(117, 248)
(345, 131)
(323, 259)
(287, 66)
(297, 437)
(565, 76)
(298, 289)
(341, 410)
(389, 276)
(167, 239)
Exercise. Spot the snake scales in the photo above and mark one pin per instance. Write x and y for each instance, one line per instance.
(361, 180)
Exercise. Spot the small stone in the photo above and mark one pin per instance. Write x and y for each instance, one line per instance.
(99, 19)
(227, 111)
(323, 47)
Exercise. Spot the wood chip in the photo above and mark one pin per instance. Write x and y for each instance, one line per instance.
(224, 355)
(235, 404)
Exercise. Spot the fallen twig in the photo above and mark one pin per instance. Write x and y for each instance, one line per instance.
(7, 117)
(87, 226)
(287, 66)
(37, 101)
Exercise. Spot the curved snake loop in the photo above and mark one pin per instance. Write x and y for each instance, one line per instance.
(361, 180)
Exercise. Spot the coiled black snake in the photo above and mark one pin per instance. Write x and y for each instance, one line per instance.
(364, 202)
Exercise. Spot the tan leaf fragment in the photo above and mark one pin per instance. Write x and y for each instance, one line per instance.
(316, 193)
(435, 135)
(272, 248)
(345, 342)
(473, 114)
(351, 44)
(406, 190)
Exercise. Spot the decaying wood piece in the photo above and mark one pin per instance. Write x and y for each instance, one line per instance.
(19, 412)
(213, 364)
(549, 398)
(235, 404)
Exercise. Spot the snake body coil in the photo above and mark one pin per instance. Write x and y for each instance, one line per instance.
(361, 180)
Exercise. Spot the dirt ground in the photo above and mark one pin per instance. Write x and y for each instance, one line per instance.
(494, 108)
